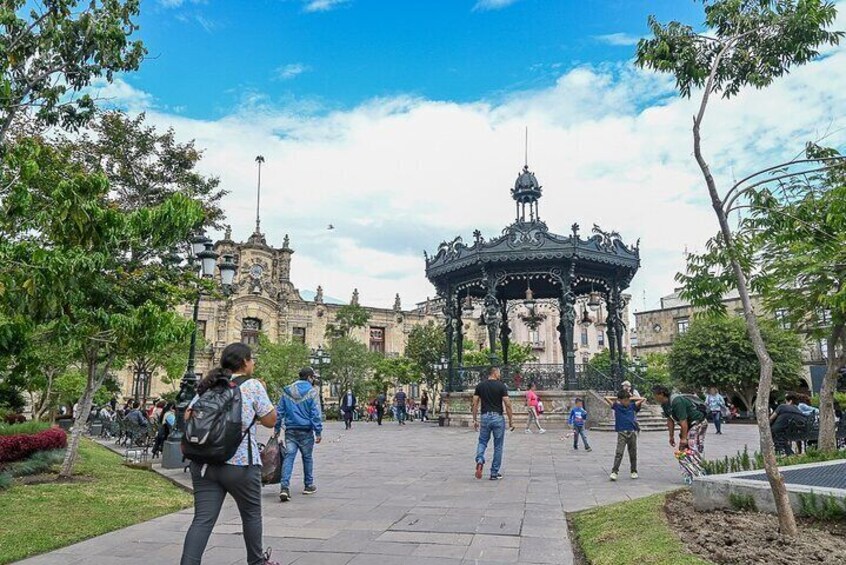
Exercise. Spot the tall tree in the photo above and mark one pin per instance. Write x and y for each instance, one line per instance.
(144, 166)
(51, 52)
(351, 364)
(799, 232)
(716, 351)
(69, 256)
(749, 43)
(348, 318)
(279, 363)
(392, 371)
(426, 347)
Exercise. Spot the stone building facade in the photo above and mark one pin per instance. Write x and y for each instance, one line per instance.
(657, 329)
(264, 300)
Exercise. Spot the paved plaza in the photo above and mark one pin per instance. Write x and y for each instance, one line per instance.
(407, 495)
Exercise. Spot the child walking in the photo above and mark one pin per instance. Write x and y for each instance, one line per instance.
(577, 419)
(625, 424)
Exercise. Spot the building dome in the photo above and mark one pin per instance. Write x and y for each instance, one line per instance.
(526, 187)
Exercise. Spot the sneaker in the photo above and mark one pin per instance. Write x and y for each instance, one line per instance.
(528, 431)
(576, 447)
(542, 431)
(284, 494)
(479, 467)
(267, 560)
(613, 476)
(496, 477)
(588, 449)
(634, 475)
(311, 489)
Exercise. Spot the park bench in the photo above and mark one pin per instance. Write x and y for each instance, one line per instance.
(806, 433)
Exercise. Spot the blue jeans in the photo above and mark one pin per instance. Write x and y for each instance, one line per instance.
(579, 431)
(491, 423)
(302, 441)
(401, 414)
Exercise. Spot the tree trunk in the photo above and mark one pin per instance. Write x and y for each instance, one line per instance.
(786, 519)
(828, 435)
(93, 383)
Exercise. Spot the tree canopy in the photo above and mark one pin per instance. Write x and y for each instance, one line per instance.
(426, 347)
(279, 363)
(716, 351)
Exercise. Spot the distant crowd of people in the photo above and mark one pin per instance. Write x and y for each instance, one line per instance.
(402, 408)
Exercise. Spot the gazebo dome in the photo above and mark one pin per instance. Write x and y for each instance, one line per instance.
(526, 180)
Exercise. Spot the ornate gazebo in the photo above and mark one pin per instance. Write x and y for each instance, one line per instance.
(530, 265)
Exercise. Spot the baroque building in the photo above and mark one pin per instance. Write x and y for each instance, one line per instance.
(264, 300)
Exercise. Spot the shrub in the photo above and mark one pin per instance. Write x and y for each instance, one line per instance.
(24, 428)
(743, 502)
(5, 480)
(743, 461)
(825, 508)
(20, 446)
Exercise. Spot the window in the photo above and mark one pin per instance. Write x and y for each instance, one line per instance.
(299, 335)
(334, 390)
(201, 328)
(534, 336)
(781, 318)
(682, 325)
(250, 330)
(823, 348)
(377, 340)
(584, 337)
(600, 339)
(825, 317)
(414, 390)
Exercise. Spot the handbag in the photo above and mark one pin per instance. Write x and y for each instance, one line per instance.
(271, 462)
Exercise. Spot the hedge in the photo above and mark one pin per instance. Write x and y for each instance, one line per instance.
(24, 428)
(21, 446)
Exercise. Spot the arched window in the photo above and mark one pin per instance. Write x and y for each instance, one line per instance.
(250, 330)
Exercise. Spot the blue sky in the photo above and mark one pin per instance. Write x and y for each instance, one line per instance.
(401, 123)
(206, 57)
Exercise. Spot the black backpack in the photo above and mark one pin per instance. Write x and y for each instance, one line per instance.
(213, 429)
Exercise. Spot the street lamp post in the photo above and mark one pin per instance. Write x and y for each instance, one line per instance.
(202, 252)
(319, 358)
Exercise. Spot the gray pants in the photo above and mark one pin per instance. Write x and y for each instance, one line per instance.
(626, 440)
(244, 484)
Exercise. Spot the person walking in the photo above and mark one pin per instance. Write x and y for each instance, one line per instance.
(682, 411)
(578, 417)
(240, 476)
(716, 405)
(424, 406)
(400, 398)
(348, 404)
(625, 424)
(491, 395)
(533, 407)
(298, 412)
(380, 407)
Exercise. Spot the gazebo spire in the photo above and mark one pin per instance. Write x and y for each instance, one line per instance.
(526, 192)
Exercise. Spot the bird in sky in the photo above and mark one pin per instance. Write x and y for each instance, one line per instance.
(330, 227)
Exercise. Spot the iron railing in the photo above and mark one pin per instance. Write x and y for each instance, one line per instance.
(545, 376)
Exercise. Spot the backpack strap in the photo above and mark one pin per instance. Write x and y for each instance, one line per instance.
(238, 381)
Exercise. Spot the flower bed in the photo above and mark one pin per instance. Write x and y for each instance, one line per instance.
(20, 446)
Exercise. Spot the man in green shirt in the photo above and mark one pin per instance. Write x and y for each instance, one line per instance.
(682, 411)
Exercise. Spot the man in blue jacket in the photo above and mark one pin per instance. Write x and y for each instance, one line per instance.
(299, 412)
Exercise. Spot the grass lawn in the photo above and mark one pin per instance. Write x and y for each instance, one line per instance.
(632, 532)
(39, 518)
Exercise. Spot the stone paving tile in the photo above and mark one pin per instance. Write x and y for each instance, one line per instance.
(407, 494)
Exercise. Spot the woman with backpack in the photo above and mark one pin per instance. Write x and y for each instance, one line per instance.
(223, 462)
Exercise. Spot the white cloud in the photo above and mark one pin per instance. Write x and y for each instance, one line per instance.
(179, 3)
(610, 145)
(618, 39)
(291, 70)
(323, 5)
(483, 5)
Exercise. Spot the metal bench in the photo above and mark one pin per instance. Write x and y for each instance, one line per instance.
(805, 434)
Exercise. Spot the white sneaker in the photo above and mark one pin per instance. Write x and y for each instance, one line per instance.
(542, 431)
(613, 476)
(528, 431)
(634, 475)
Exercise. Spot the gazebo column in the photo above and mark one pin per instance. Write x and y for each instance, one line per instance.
(449, 317)
(619, 327)
(459, 333)
(492, 318)
(566, 304)
(613, 353)
(505, 332)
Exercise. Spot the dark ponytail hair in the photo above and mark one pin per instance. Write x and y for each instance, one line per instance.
(234, 357)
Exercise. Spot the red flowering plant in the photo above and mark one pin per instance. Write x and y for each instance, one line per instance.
(20, 446)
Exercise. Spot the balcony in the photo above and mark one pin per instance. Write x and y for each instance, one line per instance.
(539, 345)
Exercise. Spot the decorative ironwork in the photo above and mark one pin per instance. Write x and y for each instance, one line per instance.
(555, 269)
(545, 376)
